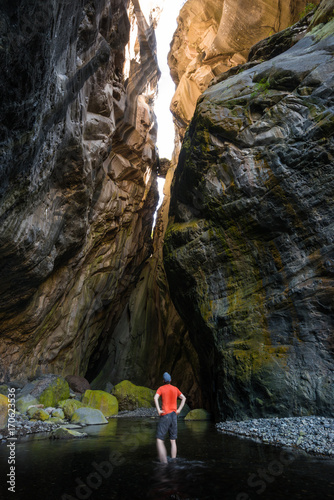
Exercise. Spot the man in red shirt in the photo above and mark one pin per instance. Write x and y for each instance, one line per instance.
(168, 416)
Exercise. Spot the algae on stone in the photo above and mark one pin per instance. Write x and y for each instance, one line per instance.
(70, 406)
(131, 396)
(101, 400)
(198, 414)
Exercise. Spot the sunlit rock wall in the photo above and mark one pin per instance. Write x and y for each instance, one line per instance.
(77, 189)
(213, 36)
(249, 250)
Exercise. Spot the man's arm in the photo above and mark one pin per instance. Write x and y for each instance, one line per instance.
(183, 400)
(156, 401)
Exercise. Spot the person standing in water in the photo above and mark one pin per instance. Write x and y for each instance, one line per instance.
(168, 416)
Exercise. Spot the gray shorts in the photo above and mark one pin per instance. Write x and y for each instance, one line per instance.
(167, 423)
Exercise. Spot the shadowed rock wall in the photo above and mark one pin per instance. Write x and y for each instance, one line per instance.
(249, 249)
(77, 187)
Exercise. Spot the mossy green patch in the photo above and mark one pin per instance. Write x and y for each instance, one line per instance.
(70, 406)
(102, 401)
(198, 414)
(56, 391)
(132, 396)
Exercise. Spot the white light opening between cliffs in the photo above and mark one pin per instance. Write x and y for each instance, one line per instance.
(166, 88)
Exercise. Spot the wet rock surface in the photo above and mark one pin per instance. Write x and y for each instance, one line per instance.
(249, 249)
(77, 182)
(315, 435)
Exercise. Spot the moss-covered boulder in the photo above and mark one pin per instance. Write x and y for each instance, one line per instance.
(70, 406)
(37, 413)
(88, 416)
(132, 396)
(23, 403)
(64, 433)
(198, 414)
(102, 401)
(48, 389)
(3, 411)
(58, 413)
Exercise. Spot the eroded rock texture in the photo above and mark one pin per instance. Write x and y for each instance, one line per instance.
(215, 35)
(76, 182)
(249, 250)
(150, 337)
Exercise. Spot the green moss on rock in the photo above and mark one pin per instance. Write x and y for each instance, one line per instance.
(70, 406)
(101, 400)
(23, 403)
(50, 389)
(38, 414)
(132, 396)
(198, 414)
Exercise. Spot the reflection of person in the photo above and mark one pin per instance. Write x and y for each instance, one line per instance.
(168, 416)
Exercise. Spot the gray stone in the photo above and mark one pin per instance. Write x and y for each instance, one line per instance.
(23, 403)
(88, 416)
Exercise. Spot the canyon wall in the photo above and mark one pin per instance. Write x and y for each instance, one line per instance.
(213, 36)
(77, 179)
(249, 248)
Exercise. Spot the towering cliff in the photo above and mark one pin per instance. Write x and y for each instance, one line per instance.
(249, 249)
(77, 179)
(213, 36)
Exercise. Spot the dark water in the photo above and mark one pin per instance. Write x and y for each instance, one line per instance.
(118, 461)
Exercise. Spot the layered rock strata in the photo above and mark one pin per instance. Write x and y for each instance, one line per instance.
(77, 182)
(249, 249)
(213, 36)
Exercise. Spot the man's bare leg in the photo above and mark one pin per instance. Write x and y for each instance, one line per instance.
(162, 452)
(173, 448)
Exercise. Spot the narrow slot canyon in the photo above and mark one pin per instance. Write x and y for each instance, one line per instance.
(166, 205)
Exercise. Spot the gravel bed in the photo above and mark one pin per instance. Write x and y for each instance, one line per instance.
(315, 435)
(139, 412)
(24, 426)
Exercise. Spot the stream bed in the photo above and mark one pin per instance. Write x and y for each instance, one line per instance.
(119, 461)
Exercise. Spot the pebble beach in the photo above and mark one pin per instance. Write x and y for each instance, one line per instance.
(314, 435)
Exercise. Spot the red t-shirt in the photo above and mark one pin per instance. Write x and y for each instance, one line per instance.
(169, 394)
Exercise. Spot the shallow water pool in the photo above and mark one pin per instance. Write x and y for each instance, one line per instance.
(118, 461)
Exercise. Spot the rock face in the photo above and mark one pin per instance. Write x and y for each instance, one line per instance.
(150, 337)
(249, 250)
(76, 182)
(213, 36)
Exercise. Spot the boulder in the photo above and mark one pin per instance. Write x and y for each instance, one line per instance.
(77, 383)
(198, 414)
(58, 413)
(3, 411)
(88, 416)
(70, 406)
(132, 396)
(64, 433)
(101, 400)
(24, 402)
(37, 413)
(48, 389)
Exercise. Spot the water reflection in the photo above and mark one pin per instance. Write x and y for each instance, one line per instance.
(118, 461)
